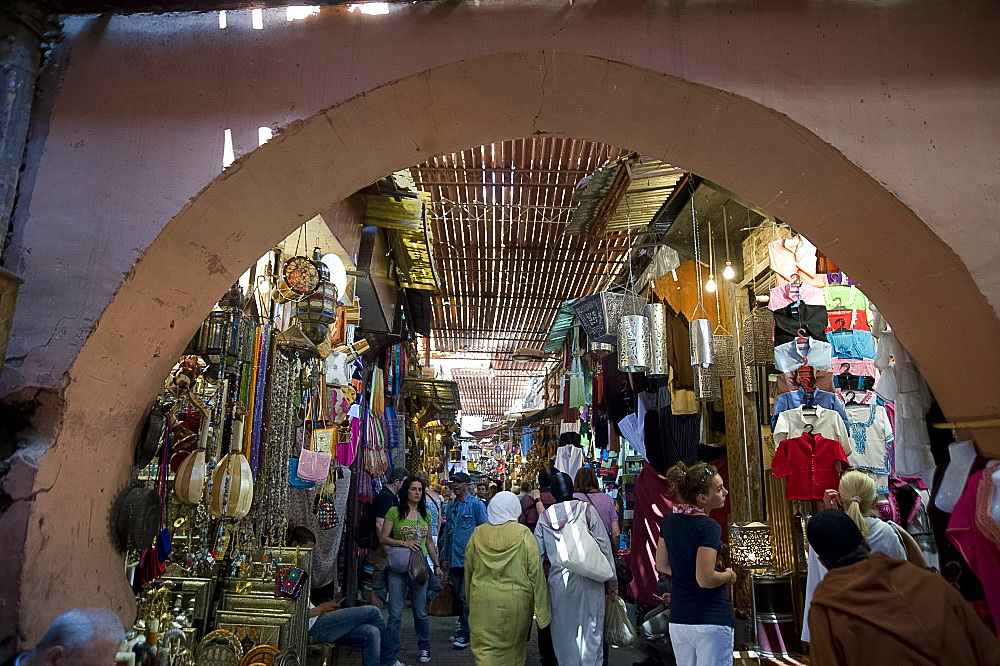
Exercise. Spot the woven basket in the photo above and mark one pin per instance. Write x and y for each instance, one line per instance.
(9, 284)
(758, 329)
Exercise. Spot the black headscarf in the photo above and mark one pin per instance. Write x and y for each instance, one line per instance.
(562, 487)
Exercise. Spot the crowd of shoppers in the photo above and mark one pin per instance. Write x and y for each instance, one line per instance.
(869, 595)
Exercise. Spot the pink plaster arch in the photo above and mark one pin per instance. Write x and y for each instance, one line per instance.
(755, 151)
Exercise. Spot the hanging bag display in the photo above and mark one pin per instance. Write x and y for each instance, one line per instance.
(314, 465)
(294, 481)
(576, 549)
(575, 377)
(289, 579)
(325, 504)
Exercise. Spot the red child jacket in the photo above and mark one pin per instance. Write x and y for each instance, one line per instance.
(810, 463)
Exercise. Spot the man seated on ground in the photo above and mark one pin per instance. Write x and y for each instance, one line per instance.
(329, 623)
(79, 637)
(873, 609)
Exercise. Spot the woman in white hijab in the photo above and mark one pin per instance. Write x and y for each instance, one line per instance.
(505, 585)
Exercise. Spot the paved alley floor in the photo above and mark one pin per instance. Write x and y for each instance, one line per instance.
(443, 654)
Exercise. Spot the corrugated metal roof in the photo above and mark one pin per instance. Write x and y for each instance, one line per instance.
(505, 266)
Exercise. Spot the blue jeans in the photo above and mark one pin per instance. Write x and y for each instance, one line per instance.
(399, 586)
(362, 624)
(456, 577)
(702, 644)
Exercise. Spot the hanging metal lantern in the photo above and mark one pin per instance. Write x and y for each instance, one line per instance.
(706, 384)
(633, 343)
(659, 340)
(758, 331)
(317, 311)
(724, 352)
(225, 335)
(701, 343)
(749, 368)
(600, 349)
(600, 313)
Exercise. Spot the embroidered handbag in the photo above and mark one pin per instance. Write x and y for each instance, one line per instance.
(289, 579)
(325, 508)
(313, 465)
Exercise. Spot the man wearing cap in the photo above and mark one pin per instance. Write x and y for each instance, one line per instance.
(465, 514)
(874, 609)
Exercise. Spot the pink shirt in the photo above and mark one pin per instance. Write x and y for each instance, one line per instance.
(780, 297)
(606, 509)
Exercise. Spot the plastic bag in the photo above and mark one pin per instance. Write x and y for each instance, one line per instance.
(618, 630)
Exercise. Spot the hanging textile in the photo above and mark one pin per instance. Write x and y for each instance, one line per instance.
(651, 505)
(979, 551)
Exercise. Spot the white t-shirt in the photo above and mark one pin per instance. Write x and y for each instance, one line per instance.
(826, 422)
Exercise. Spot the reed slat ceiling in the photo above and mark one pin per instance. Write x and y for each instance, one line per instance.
(499, 212)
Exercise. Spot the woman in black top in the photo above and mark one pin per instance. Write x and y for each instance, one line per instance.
(701, 616)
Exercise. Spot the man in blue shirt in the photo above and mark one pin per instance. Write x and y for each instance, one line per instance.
(465, 514)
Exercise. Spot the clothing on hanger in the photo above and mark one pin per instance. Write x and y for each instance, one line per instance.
(817, 353)
(789, 293)
(789, 381)
(871, 435)
(847, 320)
(826, 422)
(569, 459)
(801, 396)
(978, 550)
(810, 463)
(792, 256)
(859, 397)
(845, 381)
(789, 319)
(852, 344)
(839, 297)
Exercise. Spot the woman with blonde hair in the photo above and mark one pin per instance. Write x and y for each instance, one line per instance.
(857, 498)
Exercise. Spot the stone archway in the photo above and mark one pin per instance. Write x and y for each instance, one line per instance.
(764, 156)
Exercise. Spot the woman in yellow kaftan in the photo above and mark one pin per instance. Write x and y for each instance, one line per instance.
(505, 585)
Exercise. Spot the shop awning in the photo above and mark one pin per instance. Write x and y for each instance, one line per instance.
(540, 415)
(486, 432)
(621, 195)
(443, 394)
(560, 326)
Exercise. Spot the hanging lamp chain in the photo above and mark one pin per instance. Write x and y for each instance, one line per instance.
(697, 257)
(725, 233)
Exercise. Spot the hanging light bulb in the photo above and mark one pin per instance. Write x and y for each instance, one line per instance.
(728, 272)
(710, 286)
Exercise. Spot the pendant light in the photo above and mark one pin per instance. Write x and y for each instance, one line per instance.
(711, 286)
(728, 272)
